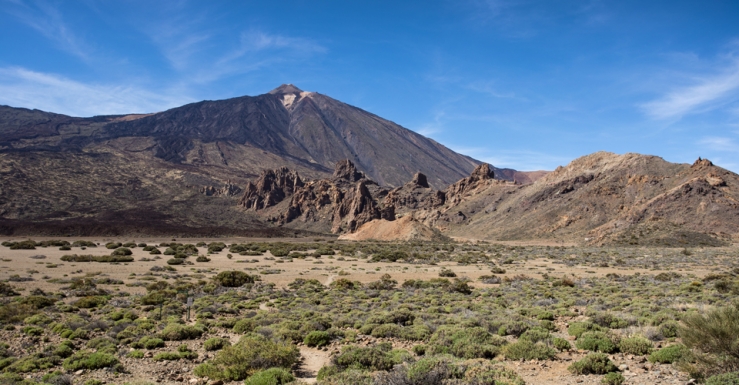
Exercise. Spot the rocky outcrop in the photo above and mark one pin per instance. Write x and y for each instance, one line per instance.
(345, 169)
(342, 203)
(414, 195)
(480, 176)
(228, 190)
(272, 187)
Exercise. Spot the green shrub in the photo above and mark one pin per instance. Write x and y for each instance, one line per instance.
(597, 342)
(175, 261)
(250, 355)
(669, 354)
(178, 332)
(669, 329)
(386, 331)
(151, 343)
(608, 320)
(635, 345)
(593, 363)
(535, 335)
(113, 245)
(121, 251)
(23, 245)
(37, 301)
(561, 344)
(202, 258)
(577, 329)
(527, 350)
(90, 302)
(317, 339)
(271, 376)
(365, 358)
(135, 354)
(167, 356)
(215, 343)
(233, 278)
(64, 349)
(613, 378)
(16, 312)
(88, 360)
(715, 336)
(724, 379)
(474, 342)
(244, 326)
(32, 330)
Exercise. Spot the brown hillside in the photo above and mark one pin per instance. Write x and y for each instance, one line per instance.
(603, 198)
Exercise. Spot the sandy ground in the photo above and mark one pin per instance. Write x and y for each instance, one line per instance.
(324, 269)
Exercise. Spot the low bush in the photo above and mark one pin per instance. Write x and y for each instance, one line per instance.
(86, 359)
(178, 332)
(561, 344)
(90, 302)
(317, 339)
(527, 350)
(250, 355)
(271, 376)
(233, 278)
(596, 342)
(215, 343)
(474, 342)
(715, 337)
(669, 354)
(593, 363)
(731, 378)
(613, 378)
(635, 345)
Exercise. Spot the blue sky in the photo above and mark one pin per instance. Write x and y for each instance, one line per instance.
(524, 84)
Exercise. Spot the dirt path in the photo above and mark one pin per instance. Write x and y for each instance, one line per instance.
(313, 361)
(330, 279)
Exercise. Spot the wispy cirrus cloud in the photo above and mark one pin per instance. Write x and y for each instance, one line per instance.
(48, 20)
(20, 87)
(706, 92)
(719, 144)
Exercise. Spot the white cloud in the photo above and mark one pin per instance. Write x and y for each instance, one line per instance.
(706, 94)
(719, 144)
(20, 87)
(48, 20)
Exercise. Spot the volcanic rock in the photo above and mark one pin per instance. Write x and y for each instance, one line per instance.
(271, 188)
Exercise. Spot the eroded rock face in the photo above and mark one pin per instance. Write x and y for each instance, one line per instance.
(343, 202)
(229, 190)
(345, 169)
(272, 187)
(479, 177)
(414, 195)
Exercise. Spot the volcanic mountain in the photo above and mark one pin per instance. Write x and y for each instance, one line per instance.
(153, 172)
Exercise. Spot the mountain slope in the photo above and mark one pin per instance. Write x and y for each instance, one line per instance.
(63, 170)
(602, 198)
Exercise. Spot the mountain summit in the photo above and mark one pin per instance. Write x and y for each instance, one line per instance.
(286, 89)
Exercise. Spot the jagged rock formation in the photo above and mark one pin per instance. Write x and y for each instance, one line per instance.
(414, 195)
(228, 190)
(340, 203)
(270, 189)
